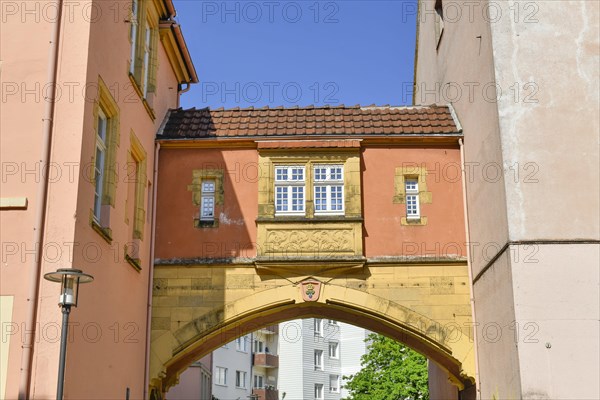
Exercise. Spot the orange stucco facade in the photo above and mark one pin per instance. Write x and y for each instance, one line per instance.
(384, 235)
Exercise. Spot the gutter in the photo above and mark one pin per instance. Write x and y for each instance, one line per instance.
(469, 265)
(40, 211)
(187, 58)
(151, 277)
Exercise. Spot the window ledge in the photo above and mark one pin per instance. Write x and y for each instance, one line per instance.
(134, 262)
(139, 92)
(316, 218)
(106, 233)
(421, 221)
(199, 223)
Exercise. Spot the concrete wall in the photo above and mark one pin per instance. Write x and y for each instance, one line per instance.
(531, 148)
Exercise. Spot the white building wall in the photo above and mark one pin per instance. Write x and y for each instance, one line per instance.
(297, 345)
(230, 357)
(352, 348)
(291, 372)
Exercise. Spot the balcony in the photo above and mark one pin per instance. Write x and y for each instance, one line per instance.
(266, 393)
(270, 330)
(266, 360)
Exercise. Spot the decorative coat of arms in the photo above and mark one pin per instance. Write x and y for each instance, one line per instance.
(311, 289)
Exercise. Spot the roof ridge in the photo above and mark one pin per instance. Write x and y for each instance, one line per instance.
(372, 106)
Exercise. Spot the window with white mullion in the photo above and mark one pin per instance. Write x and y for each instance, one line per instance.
(329, 189)
(147, 51)
(207, 205)
(289, 190)
(133, 34)
(259, 381)
(411, 187)
(100, 163)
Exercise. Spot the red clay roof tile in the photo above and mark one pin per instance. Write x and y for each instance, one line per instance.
(308, 121)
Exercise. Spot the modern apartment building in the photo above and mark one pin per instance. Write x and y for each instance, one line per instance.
(265, 366)
(353, 346)
(232, 369)
(311, 364)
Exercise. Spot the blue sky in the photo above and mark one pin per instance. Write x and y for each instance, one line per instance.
(287, 53)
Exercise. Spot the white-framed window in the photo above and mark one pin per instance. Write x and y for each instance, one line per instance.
(318, 391)
(143, 35)
(318, 359)
(411, 187)
(147, 52)
(334, 349)
(290, 189)
(133, 34)
(334, 383)
(220, 377)
(100, 165)
(318, 327)
(240, 379)
(241, 344)
(259, 346)
(207, 203)
(329, 189)
(259, 381)
(333, 322)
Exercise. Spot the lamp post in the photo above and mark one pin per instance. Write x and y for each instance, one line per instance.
(69, 280)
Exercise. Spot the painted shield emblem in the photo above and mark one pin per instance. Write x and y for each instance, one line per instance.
(311, 289)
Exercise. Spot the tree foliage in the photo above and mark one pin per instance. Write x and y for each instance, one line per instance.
(390, 371)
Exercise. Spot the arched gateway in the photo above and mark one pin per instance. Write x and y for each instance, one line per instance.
(348, 213)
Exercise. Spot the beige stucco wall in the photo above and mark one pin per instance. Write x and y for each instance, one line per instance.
(543, 133)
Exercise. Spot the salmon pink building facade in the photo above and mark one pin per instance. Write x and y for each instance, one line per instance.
(85, 86)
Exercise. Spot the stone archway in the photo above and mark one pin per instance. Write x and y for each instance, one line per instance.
(438, 331)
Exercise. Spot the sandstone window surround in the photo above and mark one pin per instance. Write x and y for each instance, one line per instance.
(207, 191)
(410, 189)
(143, 62)
(136, 199)
(104, 174)
(332, 176)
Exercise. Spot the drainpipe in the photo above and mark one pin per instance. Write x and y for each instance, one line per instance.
(182, 91)
(40, 210)
(151, 278)
(468, 237)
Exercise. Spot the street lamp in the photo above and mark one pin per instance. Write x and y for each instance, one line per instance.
(69, 280)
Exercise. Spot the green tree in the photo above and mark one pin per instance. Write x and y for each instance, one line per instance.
(390, 371)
